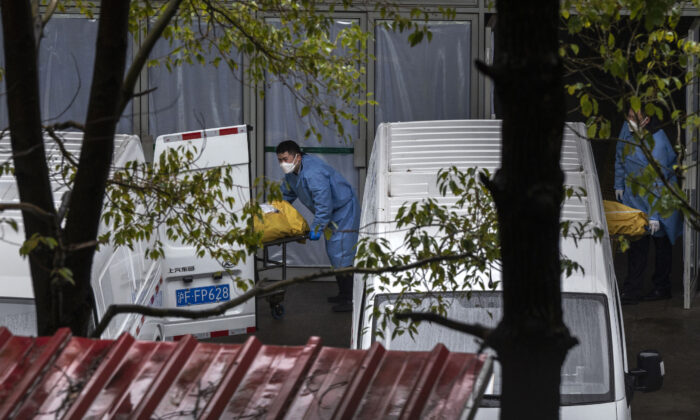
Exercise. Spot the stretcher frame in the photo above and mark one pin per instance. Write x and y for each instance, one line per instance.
(276, 298)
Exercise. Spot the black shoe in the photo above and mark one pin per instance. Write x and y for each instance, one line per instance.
(657, 295)
(335, 299)
(344, 306)
(627, 299)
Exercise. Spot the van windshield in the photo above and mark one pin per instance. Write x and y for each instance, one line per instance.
(587, 370)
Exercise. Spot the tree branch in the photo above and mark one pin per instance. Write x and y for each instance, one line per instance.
(477, 330)
(78, 247)
(67, 124)
(145, 92)
(673, 189)
(27, 207)
(69, 156)
(259, 289)
(50, 9)
(146, 47)
(488, 70)
(272, 54)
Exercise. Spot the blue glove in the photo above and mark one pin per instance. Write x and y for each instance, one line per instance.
(315, 235)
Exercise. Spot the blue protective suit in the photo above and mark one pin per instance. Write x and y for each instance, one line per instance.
(332, 201)
(633, 164)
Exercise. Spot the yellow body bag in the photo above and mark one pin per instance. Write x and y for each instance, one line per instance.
(286, 221)
(624, 220)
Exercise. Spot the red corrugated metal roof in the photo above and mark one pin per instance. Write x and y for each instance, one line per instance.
(75, 378)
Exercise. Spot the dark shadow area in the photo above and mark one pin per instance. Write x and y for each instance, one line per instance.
(306, 314)
(673, 331)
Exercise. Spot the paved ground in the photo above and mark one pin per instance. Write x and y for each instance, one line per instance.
(673, 331)
(664, 326)
(306, 314)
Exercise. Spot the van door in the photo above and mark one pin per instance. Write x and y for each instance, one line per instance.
(201, 283)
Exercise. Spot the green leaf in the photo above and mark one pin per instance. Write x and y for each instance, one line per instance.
(636, 103)
(415, 38)
(640, 55)
(592, 130)
(586, 105)
(66, 274)
(604, 130)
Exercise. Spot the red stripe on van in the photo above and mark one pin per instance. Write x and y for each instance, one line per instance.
(227, 131)
(222, 333)
(250, 330)
(192, 135)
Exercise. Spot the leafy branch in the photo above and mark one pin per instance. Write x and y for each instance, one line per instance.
(630, 55)
(259, 289)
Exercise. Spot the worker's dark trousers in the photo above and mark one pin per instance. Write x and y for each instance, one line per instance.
(344, 286)
(637, 263)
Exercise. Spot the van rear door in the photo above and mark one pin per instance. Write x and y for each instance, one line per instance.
(200, 283)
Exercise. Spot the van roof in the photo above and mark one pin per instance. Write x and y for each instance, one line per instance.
(15, 275)
(407, 156)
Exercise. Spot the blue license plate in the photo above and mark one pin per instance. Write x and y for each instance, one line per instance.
(202, 295)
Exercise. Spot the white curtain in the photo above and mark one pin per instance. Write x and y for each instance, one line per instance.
(66, 59)
(429, 81)
(193, 96)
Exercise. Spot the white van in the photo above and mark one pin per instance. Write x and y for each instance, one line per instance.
(596, 382)
(122, 275)
(200, 283)
(118, 276)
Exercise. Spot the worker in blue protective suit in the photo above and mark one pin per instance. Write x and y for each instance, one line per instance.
(663, 230)
(335, 207)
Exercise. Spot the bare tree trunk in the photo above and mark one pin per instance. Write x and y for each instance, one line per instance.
(531, 340)
(29, 156)
(95, 160)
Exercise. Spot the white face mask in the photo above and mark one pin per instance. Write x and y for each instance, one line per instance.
(633, 125)
(288, 167)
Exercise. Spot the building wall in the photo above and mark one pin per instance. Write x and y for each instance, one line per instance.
(435, 80)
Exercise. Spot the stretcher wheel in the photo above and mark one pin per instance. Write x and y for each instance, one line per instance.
(277, 311)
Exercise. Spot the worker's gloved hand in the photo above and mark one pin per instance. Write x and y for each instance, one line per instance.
(618, 194)
(654, 226)
(315, 235)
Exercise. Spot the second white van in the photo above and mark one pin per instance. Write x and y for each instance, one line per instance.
(596, 380)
